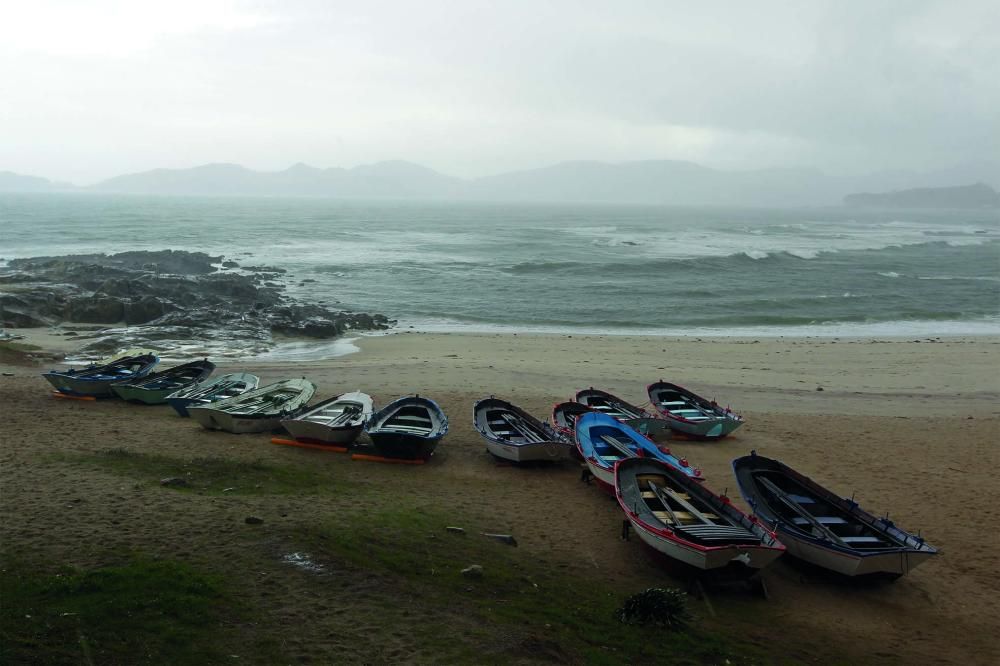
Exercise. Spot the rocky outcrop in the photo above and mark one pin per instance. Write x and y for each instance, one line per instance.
(162, 261)
(164, 295)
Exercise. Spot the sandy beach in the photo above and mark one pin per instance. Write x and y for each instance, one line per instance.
(911, 427)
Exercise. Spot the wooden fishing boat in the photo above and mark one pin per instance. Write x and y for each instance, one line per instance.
(97, 379)
(256, 411)
(212, 390)
(688, 413)
(338, 420)
(154, 388)
(681, 518)
(622, 410)
(409, 428)
(513, 434)
(820, 527)
(564, 416)
(603, 441)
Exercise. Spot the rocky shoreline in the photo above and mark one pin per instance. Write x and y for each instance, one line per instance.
(171, 299)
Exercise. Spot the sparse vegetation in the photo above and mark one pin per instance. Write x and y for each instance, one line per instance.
(210, 474)
(142, 611)
(656, 606)
(17, 353)
(546, 613)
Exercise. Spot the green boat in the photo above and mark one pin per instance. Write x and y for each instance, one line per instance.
(153, 389)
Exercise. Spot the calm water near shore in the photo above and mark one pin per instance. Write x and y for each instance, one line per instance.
(559, 268)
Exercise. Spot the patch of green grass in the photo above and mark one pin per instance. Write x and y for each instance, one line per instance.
(211, 475)
(144, 611)
(552, 614)
(16, 353)
(19, 346)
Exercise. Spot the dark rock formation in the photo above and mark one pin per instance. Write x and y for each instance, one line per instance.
(160, 296)
(162, 261)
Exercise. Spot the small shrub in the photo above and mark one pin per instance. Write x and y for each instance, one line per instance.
(667, 608)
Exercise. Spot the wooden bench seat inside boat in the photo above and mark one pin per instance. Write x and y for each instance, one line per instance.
(861, 539)
(683, 516)
(416, 418)
(649, 494)
(718, 534)
(399, 427)
(822, 520)
(643, 480)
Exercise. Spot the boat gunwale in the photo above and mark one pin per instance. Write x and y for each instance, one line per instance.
(724, 504)
(919, 545)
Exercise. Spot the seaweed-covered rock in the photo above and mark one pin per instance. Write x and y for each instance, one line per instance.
(145, 310)
(95, 310)
(165, 295)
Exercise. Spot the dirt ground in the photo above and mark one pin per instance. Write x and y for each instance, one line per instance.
(910, 429)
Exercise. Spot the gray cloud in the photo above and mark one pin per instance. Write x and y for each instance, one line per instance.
(473, 88)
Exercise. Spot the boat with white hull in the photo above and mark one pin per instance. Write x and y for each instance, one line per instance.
(212, 390)
(515, 435)
(337, 420)
(681, 518)
(822, 528)
(259, 410)
(564, 416)
(690, 414)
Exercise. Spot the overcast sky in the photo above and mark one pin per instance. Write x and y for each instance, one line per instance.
(94, 89)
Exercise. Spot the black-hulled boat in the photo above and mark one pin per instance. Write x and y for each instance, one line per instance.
(409, 428)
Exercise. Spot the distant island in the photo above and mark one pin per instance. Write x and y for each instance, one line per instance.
(979, 195)
(666, 182)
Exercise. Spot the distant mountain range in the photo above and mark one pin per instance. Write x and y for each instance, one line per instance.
(15, 182)
(979, 195)
(654, 181)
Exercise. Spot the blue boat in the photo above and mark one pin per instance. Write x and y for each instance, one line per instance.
(96, 380)
(407, 428)
(603, 440)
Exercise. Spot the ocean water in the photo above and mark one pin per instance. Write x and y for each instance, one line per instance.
(565, 268)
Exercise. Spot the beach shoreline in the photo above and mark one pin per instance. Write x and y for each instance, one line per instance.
(909, 427)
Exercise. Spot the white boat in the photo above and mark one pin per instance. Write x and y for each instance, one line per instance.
(821, 527)
(338, 420)
(688, 413)
(681, 518)
(513, 434)
(213, 390)
(259, 410)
